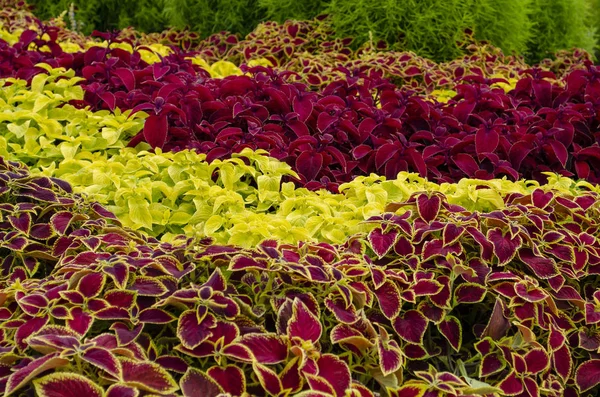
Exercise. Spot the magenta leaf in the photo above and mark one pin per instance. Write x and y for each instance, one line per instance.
(587, 375)
(231, 379)
(336, 372)
(411, 326)
(197, 383)
(309, 164)
(382, 242)
(66, 384)
(452, 330)
(23, 375)
(155, 130)
(389, 300)
(469, 293)
(505, 246)
(266, 348)
(103, 359)
(147, 376)
(304, 324)
(428, 207)
(192, 330)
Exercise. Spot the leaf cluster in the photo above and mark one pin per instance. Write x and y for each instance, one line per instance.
(435, 299)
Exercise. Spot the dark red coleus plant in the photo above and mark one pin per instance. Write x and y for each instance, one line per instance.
(436, 300)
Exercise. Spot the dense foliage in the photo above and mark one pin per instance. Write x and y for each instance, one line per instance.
(433, 28)
(297, 212)
(435, 298)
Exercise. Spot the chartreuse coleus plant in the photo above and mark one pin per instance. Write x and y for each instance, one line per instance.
(39, 127)
(434, 301)
(246, 199)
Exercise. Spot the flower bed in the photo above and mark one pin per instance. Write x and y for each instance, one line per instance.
(286, 215)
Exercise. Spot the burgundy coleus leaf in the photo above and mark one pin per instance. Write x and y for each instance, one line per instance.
(29, 327)
(342, 312)
(469, 293)
(290, 376)
(91, 284)
(230, 378)
(197, 383)
(427, 287)
(382, 241)
(428, 207)
(155, 316)
(562, 362)
(486, 140)
(411, 326)
(505, 246)
(303, 324)
(80, 321)
(193, 327)
(120, 298)
(451, 329)
(345, 334)
(60, 221)
(529, 292)
(66, 384)
(25, 374)
(119, 390)
(267, 348)
(389, 300)
(309, 164)
(268, 379)
(147, 376)
(103, 359)
(587, 375)
(335, 372)
(391, 357)
(148, 286)
(21, 222)
(124, 335)
(536, 360)
(242, 262)
(543, 268)
(155, 130)
(511, 385)
(491, 364)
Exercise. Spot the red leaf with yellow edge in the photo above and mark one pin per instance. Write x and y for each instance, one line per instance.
(230, 378)
(148, 376)
(119, 390)
(411, 326)
(266, 348)
(192, 330)
(268, 379)
(451, 329)
(428, 207)
(335, 372)
(103, 359)
(304, 324)
(409, 390)
(389, 300)
(469, 293)
(382, 241)
(23, 375)
(66, 384)
(196, 383)
(391, 358)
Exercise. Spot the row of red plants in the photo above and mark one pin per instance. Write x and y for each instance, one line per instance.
(352, 126)
(436, 300)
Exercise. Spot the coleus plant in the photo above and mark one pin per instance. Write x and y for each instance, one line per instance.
(434, 301)
(40, 127)
(242, 200)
